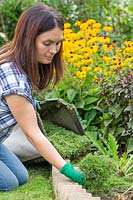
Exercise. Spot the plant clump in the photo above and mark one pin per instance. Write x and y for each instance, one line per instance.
(101, 176)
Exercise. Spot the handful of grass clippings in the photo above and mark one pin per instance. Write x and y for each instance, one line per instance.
(69, 144)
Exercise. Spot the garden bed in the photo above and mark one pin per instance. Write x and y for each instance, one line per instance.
(101, 175)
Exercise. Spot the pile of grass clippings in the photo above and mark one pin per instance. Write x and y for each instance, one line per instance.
(69, 144)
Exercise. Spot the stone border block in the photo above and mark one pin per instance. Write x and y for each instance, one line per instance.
(65, 189)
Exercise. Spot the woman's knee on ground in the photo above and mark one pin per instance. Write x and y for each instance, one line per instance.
(22, 176)
(8, 183)
(11, 182)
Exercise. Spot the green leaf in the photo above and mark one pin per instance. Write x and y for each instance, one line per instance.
(107, 122)
(117, 110)
(90, 115)
(128, 108)
(106, 116)
(97, 143)
(89, 107)
(119, 131)
(113, 147)
(71, 93)
(90, 100)
(93, 91)
(130, 145)
(80, 103)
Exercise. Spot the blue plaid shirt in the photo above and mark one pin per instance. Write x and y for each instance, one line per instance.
(12, 81)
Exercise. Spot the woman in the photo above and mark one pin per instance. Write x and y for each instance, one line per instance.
(29, 62)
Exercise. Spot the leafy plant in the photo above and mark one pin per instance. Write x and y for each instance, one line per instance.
(123, 164)
(116, 109)
(114, 13)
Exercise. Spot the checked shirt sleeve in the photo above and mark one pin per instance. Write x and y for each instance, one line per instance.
(14, 82)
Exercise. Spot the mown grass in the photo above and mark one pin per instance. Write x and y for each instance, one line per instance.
(39, 186)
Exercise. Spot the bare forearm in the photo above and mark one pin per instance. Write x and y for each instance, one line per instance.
(48, 151)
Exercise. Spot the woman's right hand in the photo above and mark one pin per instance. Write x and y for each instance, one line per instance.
(73, 174)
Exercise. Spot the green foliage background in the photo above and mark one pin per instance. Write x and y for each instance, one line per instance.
(106, 110)
(118, 14)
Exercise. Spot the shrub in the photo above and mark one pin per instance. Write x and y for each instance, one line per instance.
(114, 102)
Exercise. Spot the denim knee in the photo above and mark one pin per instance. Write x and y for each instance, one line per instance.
(23, 176)
(9, 183)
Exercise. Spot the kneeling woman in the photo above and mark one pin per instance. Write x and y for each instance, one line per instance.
(29, 62)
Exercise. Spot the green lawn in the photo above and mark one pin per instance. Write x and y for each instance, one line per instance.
(39, 186)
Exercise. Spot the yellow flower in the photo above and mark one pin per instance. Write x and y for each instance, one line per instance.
(106, 40)
(128, 51)
(85, 50)
(118, 51)
(107, 47)
(84, 69)
(78, 64)
(91, 21)
(97, 69)
(78, 73)
(106, 59)
(115, 67)
(83, 26)
(128, 43)
(87, 55)
(107, 73)
(95, 49)
(89, 68)
(107, 28)
(96, 25)
(78, 23)
(67, 25)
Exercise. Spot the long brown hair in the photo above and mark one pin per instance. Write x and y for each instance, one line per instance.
(21, 50)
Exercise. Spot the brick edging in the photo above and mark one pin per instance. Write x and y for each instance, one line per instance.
(65, 189)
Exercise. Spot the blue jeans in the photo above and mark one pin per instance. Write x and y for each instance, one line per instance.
(12, 171)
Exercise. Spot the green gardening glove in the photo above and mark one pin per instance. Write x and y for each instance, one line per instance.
(74, 175)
